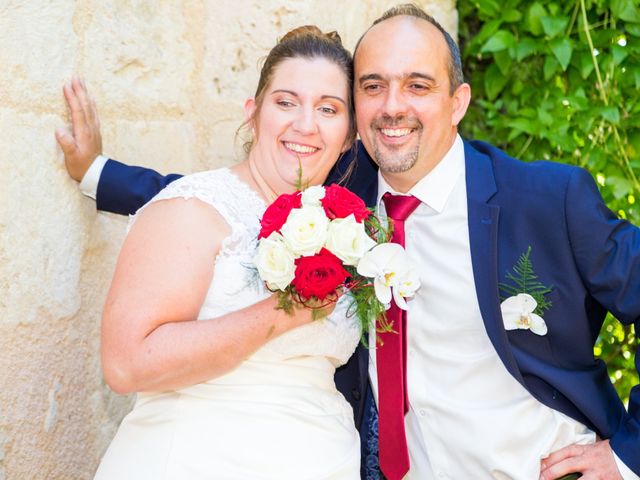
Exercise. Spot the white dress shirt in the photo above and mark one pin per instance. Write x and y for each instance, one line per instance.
(89, 183)
(468, 418)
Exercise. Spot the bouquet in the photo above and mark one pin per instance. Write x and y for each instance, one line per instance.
(319, 243)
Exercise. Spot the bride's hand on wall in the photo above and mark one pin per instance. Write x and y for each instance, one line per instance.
(81, 142)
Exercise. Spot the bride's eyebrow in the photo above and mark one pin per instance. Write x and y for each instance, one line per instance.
(323, 97)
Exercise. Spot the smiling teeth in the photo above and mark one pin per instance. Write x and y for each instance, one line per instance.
(395, 132)
(300, 148)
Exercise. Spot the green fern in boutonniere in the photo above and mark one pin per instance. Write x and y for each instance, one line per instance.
(523, 300)
(525, 280)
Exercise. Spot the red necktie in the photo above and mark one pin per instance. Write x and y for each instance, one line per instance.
(391, 363)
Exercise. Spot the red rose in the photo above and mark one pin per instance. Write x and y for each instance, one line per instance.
(339, 202)
(277, 213)
(318, 275)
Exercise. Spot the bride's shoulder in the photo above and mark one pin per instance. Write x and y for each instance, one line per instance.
(207, 186)
(208, 189)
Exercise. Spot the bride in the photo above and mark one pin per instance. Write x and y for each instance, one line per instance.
(228, 386)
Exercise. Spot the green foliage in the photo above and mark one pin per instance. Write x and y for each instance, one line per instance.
(560, 80)
(524, 280)
(368, 309)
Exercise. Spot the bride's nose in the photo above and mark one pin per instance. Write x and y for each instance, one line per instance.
(305, 122)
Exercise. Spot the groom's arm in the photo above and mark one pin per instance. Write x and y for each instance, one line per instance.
(120, 188)
(116, 187)
(606, 250)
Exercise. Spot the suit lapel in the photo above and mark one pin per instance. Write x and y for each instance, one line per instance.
(483, 239)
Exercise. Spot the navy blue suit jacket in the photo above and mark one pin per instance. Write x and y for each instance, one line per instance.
(590, 257)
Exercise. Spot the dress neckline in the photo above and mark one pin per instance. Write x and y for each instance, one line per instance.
(252, 194)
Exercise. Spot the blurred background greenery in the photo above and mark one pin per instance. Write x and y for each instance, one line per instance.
(560, 81)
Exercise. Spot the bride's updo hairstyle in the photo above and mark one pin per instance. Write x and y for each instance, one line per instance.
(307, 42)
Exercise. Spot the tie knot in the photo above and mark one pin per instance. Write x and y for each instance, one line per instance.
(399, 207)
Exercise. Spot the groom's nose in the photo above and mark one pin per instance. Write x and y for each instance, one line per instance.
(394, 102)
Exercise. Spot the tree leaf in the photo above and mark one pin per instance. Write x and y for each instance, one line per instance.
(633, 29)
(516, 87)
(501, 40)
(545, 117)
(511, 15)
(525, 125)
(626, 10)
(503, 60)
(513, 134)
(619, 54)
(534, 14)
(487, 30)
(562, 49)
(554, 26)
(525, 47)
(586, 64)
(611, 114)
(636, 75)
(491, 8)
(550, 67)
(621, 186)
(494, 82)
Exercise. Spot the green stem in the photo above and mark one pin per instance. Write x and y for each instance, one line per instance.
(525, 147)
(574, 15)
(625, 159)
(603, 93)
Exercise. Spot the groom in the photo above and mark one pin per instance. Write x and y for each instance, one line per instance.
(491, 390)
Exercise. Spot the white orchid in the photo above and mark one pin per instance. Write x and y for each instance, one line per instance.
(348, 239)
(517, 313)
(390, 268)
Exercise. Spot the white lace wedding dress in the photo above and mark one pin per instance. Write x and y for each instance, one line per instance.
(278, 415)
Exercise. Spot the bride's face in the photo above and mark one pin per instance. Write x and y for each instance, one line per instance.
(303, 122)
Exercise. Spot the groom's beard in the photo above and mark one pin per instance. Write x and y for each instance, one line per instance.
(395, 162)
(396, 158)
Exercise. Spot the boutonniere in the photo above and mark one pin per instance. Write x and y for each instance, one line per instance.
(523, 299)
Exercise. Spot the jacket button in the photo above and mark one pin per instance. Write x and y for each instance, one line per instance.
(356, 394)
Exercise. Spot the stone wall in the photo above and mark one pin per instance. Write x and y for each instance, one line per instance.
(169, 78)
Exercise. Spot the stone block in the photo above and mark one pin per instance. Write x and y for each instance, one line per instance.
(42, 220)
(168, 146)
(38, 50)
(139, 55)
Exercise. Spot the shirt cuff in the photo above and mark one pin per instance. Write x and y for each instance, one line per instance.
(624, 470)
(89, 183)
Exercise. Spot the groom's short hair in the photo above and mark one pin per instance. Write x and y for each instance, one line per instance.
(456, 77)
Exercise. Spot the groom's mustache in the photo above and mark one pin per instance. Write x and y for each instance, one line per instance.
(402, 121)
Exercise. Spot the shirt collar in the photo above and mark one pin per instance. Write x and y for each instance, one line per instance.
(434, 188)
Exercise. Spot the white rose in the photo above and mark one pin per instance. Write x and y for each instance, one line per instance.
(305, 231)
(348, 240)
(311, 196)
(275, 262)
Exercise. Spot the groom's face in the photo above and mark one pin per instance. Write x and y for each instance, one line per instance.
(405, 113)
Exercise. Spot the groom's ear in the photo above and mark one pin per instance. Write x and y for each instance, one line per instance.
(461, 99)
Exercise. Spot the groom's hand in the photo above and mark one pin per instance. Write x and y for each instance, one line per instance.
(595, 462)
(81, 143)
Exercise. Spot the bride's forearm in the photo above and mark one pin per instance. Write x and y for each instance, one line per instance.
(178, 354)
